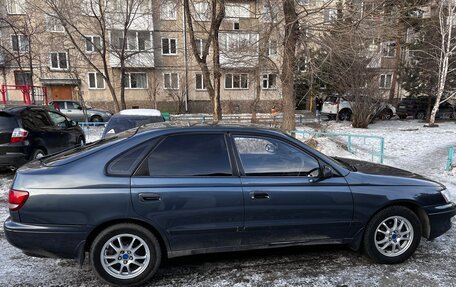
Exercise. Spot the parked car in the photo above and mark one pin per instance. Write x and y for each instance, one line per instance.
(417, 107)
(383, 110)
(31, 132)
(74, 111)
(162, 191)
(128, 119)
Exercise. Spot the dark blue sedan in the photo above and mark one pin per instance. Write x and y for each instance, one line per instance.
(166, 191)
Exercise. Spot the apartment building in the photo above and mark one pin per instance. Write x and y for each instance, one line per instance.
(161, 69)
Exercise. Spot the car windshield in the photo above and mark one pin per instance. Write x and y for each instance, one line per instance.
(120, 123)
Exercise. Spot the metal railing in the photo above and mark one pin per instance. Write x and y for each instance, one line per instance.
(241, 118)
(451, 160)
(360, 145)
(93, 124)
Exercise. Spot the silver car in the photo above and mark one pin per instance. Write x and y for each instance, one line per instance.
(74, 111)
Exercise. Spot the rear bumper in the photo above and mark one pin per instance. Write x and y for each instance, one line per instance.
(62, 241)
(13, 159)
(440, 219)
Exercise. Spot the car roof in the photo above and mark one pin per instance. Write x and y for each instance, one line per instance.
(19, 109)
(141, 112)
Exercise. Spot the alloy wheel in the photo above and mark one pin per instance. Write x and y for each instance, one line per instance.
(394, 236)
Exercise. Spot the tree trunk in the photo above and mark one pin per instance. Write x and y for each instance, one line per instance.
(256, 100)
(289, 64)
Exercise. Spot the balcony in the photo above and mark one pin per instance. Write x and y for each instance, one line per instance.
(138, 49)
(134, 60)
(239, 49)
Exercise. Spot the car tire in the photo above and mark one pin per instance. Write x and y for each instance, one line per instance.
(38, 153)
(345, 115)
(420, 115)
(81, 142)
(137, 242)
(386, 114)
(392, 235)
(96, 119)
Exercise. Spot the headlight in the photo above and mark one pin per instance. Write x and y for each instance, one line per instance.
(446, 194)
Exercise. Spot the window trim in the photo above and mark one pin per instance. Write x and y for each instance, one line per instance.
(59, 68)
(169, 46)
(54, 18)
(171, 88)
(380, 81)
(8, 8)
(96, 88)
(129, 81)
(167, 2)
(204, 88)
(232, 81)
(18, 42)
(269, 86)
(91, 40)
(266, 136)
(235, 172)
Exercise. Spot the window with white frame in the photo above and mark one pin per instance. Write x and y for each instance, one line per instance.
(96, 80)
(171, 81)
(199, 79)
(135, 41)
(272, 49)
(93, 43)
(168, 10)
(135, 81)
(236, 81)
(169, 46)
(59, 60)
(330, 15)
(239, 41)
(202, 11)
(20, 43)
(53, 24)
(15, 6)
(388, 49)
(269, 81)
(90, 7)
(386, 80)
(200, 44)
(237, 10)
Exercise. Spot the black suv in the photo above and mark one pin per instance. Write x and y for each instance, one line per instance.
(31, 132)
(417, 107)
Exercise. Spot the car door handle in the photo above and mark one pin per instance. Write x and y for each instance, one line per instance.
(259, 195)
(149, 196)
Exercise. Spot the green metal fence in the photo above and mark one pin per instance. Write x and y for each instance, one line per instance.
(451, 162)
(367, 147)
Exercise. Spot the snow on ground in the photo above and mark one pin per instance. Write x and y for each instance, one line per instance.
(93, 133)
(407, 145)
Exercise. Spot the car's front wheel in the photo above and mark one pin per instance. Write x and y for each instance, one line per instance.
(125, 254)
(392, 235)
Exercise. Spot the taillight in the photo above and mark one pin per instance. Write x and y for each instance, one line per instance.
(16, 199)
(18, 135)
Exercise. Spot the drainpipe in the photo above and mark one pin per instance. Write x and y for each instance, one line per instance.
(184, 26)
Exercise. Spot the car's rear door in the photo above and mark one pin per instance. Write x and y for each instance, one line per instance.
(285, 203)
(188, 189)
(74, 111)
(42, 133)
(61, 126)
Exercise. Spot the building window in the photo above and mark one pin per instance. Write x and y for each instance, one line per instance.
(272, 49)
(59, 61)
(171, 81)
(169, 46)
(23, 78)
(388, 49)
(385, 81)
(96, 81)
(90, 7)
(136, 40)
(93, 43)
(330, 15)
(235, 42)
(200, 44)
(200, 86)
(202, 11)
(15, 6)
(269, 81)
(237, 10)
(53, 24)
(236, 81)
(236, 26)
(20, 43)
(135, 81)
(168, 10)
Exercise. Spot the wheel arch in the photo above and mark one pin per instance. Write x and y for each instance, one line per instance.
(99, 228)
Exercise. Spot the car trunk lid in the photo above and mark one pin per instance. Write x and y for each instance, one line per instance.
(7, 124)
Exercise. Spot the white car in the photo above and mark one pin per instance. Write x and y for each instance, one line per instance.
(384, 111)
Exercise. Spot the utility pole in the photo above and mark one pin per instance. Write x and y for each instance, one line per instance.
(185, 59)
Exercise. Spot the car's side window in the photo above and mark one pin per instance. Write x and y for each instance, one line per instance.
(33, 119)
(73, 106)
(125, 164)
(262, 156)
(58, 120)
(188, 155)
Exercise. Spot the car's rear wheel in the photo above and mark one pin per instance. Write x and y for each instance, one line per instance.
(125, 254)
(345, 115)
(392, 235)
(96, 119)
(386, 114)
(38, 153)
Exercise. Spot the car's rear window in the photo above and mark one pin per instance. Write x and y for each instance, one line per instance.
(7, 121)
(72, 154)
(119, 124)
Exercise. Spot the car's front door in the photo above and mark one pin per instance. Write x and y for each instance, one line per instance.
(61, 126)
(285, 202)
(187, 188)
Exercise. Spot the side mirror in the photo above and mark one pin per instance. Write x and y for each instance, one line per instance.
(326, 172)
